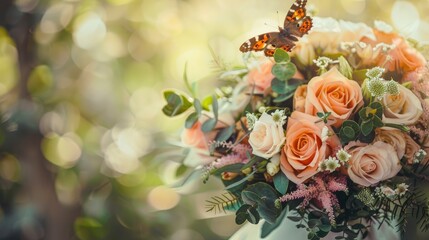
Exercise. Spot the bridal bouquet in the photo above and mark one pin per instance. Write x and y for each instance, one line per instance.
(332, 135)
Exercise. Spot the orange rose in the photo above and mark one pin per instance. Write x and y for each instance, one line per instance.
(304, 148)
(334, 93)
(261, 77)
(403, 57)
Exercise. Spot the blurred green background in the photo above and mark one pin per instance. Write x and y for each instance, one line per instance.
(85, 152)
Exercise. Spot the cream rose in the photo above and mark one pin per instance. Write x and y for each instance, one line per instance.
(370, 164)
(334, 93)
(404, 108)
(266, 137)
(304, 148)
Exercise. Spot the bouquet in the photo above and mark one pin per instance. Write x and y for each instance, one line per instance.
(327, 128)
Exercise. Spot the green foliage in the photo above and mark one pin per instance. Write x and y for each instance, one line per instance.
(345, 68)
(176, 103)
(324, 116)
(247, 212)
(263, 197)
(281, 182)
(89, 229)
(210, 123)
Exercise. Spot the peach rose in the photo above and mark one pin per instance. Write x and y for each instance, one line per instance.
(334, 93)
(304, 148)
(411, 149)
(393, 137)
(370, 164)
(404, 108)
(299, 98)
(198, 142)
(403, 56)
(261, 76)
(266, 137)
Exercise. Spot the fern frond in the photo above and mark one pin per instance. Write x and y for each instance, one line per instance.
(223, 203)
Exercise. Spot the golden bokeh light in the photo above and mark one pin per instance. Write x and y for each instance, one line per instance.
(163, 198)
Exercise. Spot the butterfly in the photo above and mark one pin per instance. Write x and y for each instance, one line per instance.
(296, 24)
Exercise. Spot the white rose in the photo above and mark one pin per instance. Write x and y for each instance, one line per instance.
(267, 137)
(404, 108)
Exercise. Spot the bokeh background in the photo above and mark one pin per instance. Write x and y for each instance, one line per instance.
(85, 152)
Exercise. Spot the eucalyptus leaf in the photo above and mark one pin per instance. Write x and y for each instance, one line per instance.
(198, 107)
(215, 107)
(191, 120)
(281, 56)
(367, 127)
(349, 132)
(284, 71)
(283, 97)
(225, 134)
(253, 215)
(209, 125)
(281, 182)
(235, 168)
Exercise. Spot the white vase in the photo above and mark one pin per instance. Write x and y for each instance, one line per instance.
(288, 230)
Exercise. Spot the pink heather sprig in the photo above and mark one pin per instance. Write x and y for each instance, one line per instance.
(321, 189)
(229, 159)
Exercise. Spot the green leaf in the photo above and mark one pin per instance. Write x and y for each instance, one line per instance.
(325, 227)
(349, 132)
(278, 86)
(377, 122)
(235, 168)
(253, 215)
(207, 101)
(367, 127)
(284, 71)
(198, 107)
(281, 182)
(176, 104)
(345, 68)
(225, 134)
(283, 97)
(240, 182)
(89, 229)
(281, 56)
(314, 223)
(191, 87)
(264, 196)
(215, 106)
(378, 107)
(240, 218)
(209, 125)
(295, 218)
(191, 120)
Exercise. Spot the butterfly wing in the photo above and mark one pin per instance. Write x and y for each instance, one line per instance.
(258, 43)
(296, 12)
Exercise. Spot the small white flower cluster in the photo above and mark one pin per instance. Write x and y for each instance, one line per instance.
(251, 120)
(323, 62)
(419, 156)
(273, 167)
(377, 86)
(326, 133)
(385, 191)
(332, 163)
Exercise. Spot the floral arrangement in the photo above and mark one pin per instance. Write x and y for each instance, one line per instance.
(332, 136)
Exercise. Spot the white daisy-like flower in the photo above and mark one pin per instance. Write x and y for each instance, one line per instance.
(401, 189)
(343, 156)
(322, 166)
(419, 156)
(262, 109)
(332, 164)
(279, 117)
(251, 120)
(387, 191)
